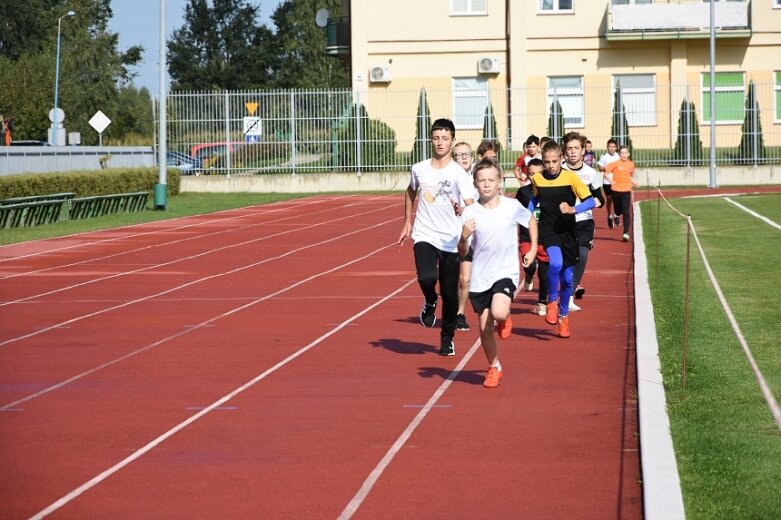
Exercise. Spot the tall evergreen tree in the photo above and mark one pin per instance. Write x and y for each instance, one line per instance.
(752, 143)
(688, 147)
(556, 121)
(619, 130)
(421, 148)
(489, 124)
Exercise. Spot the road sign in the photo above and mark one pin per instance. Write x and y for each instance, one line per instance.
(99, 122)
(253, 126)
(252, 107)
(252, 138)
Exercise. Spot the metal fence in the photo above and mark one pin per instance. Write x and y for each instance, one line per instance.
(304, 131)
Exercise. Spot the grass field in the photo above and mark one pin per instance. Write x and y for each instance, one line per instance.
(727, 445)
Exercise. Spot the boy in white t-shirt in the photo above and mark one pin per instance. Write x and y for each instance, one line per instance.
(437, 228)
(492, 227)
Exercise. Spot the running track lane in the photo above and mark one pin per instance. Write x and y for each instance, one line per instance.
(556, 440)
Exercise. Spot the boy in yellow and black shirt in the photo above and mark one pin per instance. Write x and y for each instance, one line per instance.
(557, 192)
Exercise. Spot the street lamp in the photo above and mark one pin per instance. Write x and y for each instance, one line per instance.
(55, 115)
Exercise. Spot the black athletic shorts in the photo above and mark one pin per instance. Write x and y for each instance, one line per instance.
(584, 230)
(468, 256)
(482, 300)
(608, 188)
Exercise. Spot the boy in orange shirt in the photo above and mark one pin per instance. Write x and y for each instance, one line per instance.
(619, 174)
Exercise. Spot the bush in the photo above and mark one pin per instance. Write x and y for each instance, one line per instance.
(88, 183)
(688, 147)
(377, 143)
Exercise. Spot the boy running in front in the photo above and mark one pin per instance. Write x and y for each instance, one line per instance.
(436, 230)
(492, 227)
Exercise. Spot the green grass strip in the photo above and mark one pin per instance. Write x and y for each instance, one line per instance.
(727, 444)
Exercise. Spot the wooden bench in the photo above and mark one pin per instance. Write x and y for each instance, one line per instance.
(99, 205)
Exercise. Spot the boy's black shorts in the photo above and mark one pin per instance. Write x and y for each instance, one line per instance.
(584, 231)
(482, 300)
(468, 256)
(608, 189)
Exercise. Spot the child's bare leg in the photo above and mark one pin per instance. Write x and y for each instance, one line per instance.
(487, 337)
(500, 306)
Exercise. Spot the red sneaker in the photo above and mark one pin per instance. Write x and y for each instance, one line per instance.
(552, 313)
(504, 328)
(493, 377)
(564, 327)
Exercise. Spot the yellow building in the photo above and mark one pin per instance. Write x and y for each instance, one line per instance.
(524, 55)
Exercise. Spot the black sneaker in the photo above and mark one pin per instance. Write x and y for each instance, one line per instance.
(610, 222)
(617, 220)
(461, 323)
(579, 292)
(448, 348)
(428, 315)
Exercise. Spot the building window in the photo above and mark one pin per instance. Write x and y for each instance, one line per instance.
(467, 7)
(730, 97)
(638, 94)
(556, 6)
(776, 4)
(627, 2)
(777, 89)
(470, 99)
(568, 90)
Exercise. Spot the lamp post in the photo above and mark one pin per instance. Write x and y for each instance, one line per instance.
(55, 115)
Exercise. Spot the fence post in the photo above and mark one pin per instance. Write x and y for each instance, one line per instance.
(685, 350)
(228, 161)
(293, 131)
(658, 225)
(358, 136)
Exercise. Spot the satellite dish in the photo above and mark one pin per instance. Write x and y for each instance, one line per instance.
(321, 18)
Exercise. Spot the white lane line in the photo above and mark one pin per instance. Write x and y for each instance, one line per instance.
(217, 404)
(754, 213)
(205, 323)
(182, 259)
(376, 473)
(92, 261)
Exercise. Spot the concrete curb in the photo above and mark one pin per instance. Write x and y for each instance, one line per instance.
(662, 496)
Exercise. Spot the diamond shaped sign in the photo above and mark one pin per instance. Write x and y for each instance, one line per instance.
(99, 121)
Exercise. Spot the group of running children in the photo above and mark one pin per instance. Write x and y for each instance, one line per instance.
(468, 235)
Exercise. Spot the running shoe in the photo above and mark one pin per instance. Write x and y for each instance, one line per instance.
(579, 292)
(616, 220)
(572, 305)
(610, 222)
(540, 309)
(504, 328)
(625, 237)
(552, 313)
(461, 323)
(493, 377)
(528, 283)
(428, 315)
(448, 348)
(564, 327)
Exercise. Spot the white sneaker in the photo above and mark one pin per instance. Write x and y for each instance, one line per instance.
(572, 305)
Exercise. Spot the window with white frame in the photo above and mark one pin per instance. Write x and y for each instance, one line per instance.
(776, 4)
(556, 6)
(638, 95)
(568, 91)
(470, 99)
(627, 2)
(729, 89)
(777, 92)
(467, 7)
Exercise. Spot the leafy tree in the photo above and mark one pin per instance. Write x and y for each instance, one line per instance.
(752, 145)
(688, 147)
(556, 121)
(422, 145)
(619, 129)
(300, 43)
(221, 47)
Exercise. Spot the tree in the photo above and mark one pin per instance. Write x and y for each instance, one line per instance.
(556, 121)
(422, 145)
(688, 147)
(489, 124)
(619, 129)
(221, 47)
(752, 145)
(92, 70)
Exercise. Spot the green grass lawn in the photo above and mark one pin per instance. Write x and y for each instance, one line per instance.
(727, 444)
(177, 206)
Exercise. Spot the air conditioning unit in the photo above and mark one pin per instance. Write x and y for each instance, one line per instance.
(380, 74)
(488, 65)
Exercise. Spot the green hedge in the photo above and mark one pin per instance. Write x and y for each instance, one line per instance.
(87, 183)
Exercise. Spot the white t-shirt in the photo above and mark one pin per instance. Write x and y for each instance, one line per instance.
(495, 242)
(473, 193)
(436, 222)
(605, 160)
(593, 181)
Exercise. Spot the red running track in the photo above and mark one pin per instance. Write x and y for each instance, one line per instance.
(268, 362)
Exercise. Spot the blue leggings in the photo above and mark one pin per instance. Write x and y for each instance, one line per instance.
(559, 279)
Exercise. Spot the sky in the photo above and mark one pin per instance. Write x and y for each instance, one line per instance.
(138, 23)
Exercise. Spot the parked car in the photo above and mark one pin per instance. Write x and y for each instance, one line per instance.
(187, 164)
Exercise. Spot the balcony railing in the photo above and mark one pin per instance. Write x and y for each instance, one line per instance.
(338, 36)
(682, 19)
